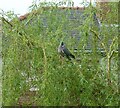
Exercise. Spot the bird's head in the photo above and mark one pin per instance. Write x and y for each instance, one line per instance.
(62, 43)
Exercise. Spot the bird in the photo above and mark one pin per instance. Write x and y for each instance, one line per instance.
(63, 51)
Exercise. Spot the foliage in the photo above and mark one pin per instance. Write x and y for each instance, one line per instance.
(30, 59)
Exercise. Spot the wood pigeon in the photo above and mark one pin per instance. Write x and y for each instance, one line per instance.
(63, 51)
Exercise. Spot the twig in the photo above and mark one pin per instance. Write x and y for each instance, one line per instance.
(45, 58)
(112, 45)
(109, 54)
(103, 45)
(3, 19)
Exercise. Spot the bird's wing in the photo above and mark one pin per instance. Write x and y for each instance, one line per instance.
(67, 52)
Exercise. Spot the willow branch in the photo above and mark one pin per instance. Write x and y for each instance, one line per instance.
(103, 45)
(45, 58)
(4, 20)
(111, 52)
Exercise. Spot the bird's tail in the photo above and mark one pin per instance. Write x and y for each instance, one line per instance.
(72, 56)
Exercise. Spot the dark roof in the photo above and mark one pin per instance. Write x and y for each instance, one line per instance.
(23, 17)
(76, 19)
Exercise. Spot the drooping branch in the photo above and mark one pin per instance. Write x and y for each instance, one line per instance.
(4, 20)
(109, 53)
(95, 33)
